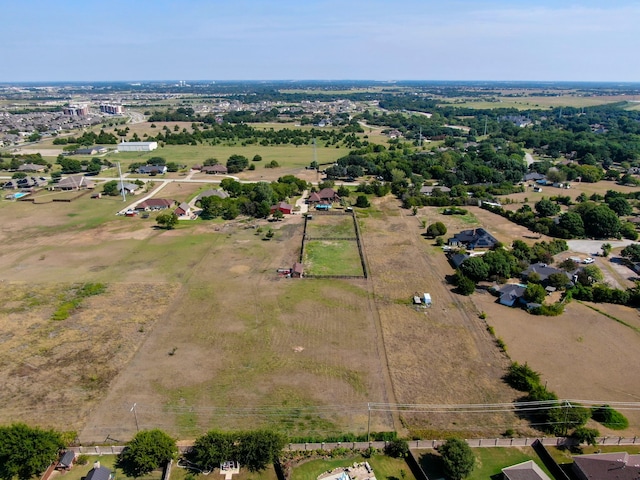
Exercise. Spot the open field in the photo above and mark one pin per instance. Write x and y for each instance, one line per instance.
(489, 461)
(268, 473)
(384, 467)
(331, 226)
(532, 102)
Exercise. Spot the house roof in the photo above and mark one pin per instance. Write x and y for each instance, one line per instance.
(212, 193)
(156, 202)
(184, 207)
(525, 471)
(100, 473)
(533, 176)
(31, 167)
(457, 259)
(74, 181)
(282, 206)
(297, 268)
(475, 238)
(214, 168)
(543, 270)
(152, 168)
(510, 293)
(132, 187)
(428, 190)
(67, 459)
(327, 194)
(608, 466)
(314, 197)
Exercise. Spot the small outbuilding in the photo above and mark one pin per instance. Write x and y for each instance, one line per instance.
(283, 207)
(66, 461)
(426, 299)
(297, 270)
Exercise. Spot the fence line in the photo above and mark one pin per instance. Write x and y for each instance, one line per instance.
(360, 248)
(413, 444)
(352, 239)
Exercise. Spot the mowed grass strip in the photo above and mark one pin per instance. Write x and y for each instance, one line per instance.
(332, 257)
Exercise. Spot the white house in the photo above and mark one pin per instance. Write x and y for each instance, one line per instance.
(137, 146)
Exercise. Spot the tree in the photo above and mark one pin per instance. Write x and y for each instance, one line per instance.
(26, 452)
(147, 451)
(257, 158)
(620, 205)
(601, 222)
(457, 457)
(436, 229)
(628, 230)
(590, 275)
(277, 214)
(606, 249)
(547, 208)
(558, 280)
(237, 163)
(256, 450)
(632, 252)
(475, 268)
(362, 201)
(534, 293)
(465, 285)
(111, 188)
(343, 192)
(167, 220)
(397, 448)
(609, 417)
(211, 449)
(586, 435)
(570, 225)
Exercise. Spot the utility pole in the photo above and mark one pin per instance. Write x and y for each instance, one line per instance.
(124, 196)
(369, 421)
(566, 413)
(135, 415)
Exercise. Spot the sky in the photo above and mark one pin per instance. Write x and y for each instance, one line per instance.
(137, 40)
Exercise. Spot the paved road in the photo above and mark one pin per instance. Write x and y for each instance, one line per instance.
(593, 247)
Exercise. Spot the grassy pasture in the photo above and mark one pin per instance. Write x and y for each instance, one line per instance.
(528, 102)
(331, 226)
(332, 257)
(383, 467)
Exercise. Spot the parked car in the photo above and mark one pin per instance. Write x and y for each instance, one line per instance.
(588, 260)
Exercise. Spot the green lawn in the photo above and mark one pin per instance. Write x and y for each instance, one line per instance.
(383, 467)
(332, 257)
(326, 226)
(269, 473)
(80, 471)
(489, 461)
(563, 455)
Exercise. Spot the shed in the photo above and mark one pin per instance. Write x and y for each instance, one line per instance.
(427, 299)
(67, 459)
(417, 300)
(297, 270)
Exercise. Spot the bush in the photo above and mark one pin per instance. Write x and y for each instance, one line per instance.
(362, 201)
(522, 377)
(586, 435)
(609, 417)
(397, 449)
(457, 457)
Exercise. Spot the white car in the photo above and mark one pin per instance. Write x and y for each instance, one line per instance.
(588, 260)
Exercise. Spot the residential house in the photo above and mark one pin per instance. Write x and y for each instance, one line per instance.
(524, 471)
(472, 239)
(607, 466)
(297, 270)
(31, 167)
(543, 271)
(313, 198)
(534, 177)
(127, 188)
(66, 461)
(212, 193)
(152, 169)
(98, 473)
(155, 204)
(75, 182)
(456, 259)
(283, 207)
(510, 294)
(214, 169)
(328, 195)
(183, 210)
(430, 189)
(91, 150)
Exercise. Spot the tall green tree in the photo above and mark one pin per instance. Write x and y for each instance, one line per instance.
(457, 457)
(26, 452)
(601, 222)
(547, 208)
(147, 451)
(167, 220)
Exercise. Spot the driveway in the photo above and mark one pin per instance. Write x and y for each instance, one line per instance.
(593, 247)
(303, 207)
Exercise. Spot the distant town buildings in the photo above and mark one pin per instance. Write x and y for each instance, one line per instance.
(76, 110)
(112, 109)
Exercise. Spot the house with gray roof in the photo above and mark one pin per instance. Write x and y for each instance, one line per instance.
(544, 271)
(524, 471)
(212, 193)
(429, 190)
(511, 294)
(127, 187)
(75, 182)
(152, 169)
(216, 169)
(472, 239)
(32, 167)
(99, 473)
(607, 466)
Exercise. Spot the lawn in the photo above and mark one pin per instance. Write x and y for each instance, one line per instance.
(489, 461)
(383, 467)
(269, 473)
(80, 471)
(331, 226)
(563, 455)
(332, 257)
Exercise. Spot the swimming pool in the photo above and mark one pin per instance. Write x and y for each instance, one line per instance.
(20, 195)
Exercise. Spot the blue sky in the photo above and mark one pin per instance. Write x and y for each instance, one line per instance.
(47, 40)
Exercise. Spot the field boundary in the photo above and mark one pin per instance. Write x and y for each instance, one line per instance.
(499, 442)
(357, 239)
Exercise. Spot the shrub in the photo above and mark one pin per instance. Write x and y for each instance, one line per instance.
(522, 377)
(586, 435)
(609, 417)
(397, 449)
